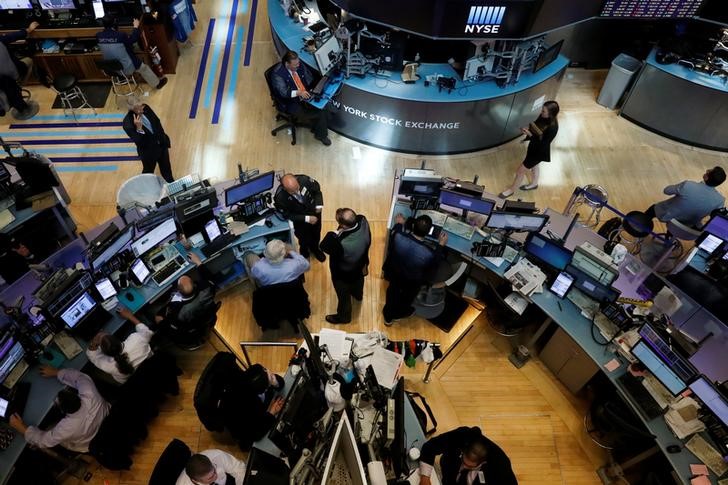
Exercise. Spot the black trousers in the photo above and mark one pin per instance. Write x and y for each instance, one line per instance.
(309, 236)
(400, 295)
(318, 119)
(12, 90)
(345, 291)
(165, 168)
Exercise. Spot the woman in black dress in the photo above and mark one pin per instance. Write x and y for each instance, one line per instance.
(539, 134)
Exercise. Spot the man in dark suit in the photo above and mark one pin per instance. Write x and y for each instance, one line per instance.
(348, 249)
(292, 82)
(146, 131)
(408, 266)
(300, 199)
(468, 458)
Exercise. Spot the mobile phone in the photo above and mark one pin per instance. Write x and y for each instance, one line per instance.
(562, 284)
(123, 281)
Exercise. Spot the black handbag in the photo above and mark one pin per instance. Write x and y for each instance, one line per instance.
(422, 415)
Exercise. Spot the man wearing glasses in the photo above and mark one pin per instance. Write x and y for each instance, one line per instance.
(468, 458)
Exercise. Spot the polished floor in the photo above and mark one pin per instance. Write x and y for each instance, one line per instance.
(526, 411)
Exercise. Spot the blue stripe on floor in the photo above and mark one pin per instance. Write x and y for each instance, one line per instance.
(236, 63)
(201, 70)
(52, 150)
(29, 126)
(90, 141)
(79, 116)
(251, 31)
(225, 60)
(65, 133)
(121, 158)
(88, 168)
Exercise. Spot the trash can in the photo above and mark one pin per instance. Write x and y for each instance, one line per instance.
(623, 69)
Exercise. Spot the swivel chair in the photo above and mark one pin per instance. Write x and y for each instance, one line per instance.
(281, 114)
(267, 310)
(192, 337)
(171, 463)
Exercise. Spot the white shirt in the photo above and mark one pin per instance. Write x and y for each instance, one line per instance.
(224, 463)
(427, 469)
(75, 431)
(136, 348)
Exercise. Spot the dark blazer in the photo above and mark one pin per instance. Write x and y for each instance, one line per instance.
(539, 147)
(283, 85)
(293, 209)
(150, 146)
(113, 36)
(247, 415)
(349, 251)
(497, 468)
(410, 259)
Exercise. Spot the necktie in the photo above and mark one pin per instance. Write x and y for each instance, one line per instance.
(298, 197)
(229, 480)
(147, 124)
(299, 84)
(463, 478)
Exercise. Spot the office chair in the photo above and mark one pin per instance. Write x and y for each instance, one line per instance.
(170, 463)
(268, 311)
(121, 84)
(192, 337)
(281, 114)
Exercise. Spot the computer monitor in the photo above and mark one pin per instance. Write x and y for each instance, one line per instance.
(710, 243)
(591, 287)
(120, 241)
(658, 368)
(664, 350)
(711, 397)
(717, 226)
(265, 469)
(212, 229)
(593, 267)
(547, 251)
(511, 221)
(476, 67)
(36, 174)
(98, 7)
(57, 4)
(11, 359)
(466, 202)
(140, 271)
(105, 288)
(317, 368)
(327, 55)
(15, 5)
(547, 56)
(166, 230)
(249, 188)
(78, 310)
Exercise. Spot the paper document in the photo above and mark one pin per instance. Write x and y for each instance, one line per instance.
(699, 470)
(386, 365)
(517, 302)
(6, 217)
(335, 341)
(525, 277)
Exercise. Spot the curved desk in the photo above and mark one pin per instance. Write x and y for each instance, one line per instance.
(681, 104)
(382, 111)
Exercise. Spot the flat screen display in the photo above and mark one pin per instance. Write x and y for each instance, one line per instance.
(710, 396)
(710, 243)
(658, 368)
(591, 287)
(212, 228)
(15, 5)
(154, 237)
(512, 221)
(122, 239)
(547, 251)
(466, 202)
(8, 363)
(105, 288)
(249, 188)
(140, 271)
(327, 55)
(57, 4)
(548, 56)
(562, 284)
(651, 8)
(78, 309)
(717, 226)
(4, 408)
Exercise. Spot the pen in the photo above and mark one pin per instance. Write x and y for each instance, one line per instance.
(559, 303)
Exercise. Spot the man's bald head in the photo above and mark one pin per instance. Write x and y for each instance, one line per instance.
(290, 183)
(346, 217)
(185, 285)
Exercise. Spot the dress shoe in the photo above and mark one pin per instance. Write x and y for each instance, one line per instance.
(335, 320)
(319, 255)
(162, 83)
(325, 140)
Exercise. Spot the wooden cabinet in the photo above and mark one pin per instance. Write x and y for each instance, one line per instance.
(568, 361)
(83, 66)
(162, 36)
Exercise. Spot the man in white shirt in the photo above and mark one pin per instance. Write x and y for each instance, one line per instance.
(212, 467)
(118, 359)
(84, 411)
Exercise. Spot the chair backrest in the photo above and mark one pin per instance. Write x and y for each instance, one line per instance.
(111, 67)
(267, 303)
(681, 231)
(117, 52)
(171, 463)
(269, 81)
(220, 375)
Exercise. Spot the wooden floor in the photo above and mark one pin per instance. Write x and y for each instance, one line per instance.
(526, 411)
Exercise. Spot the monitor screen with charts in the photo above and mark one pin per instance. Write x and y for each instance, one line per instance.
(511, 221)
(711, 397)
(465, 202)
(105, 288)
(710, 243)
(57, 4)
(249, 188)
(166, 230)
(328, 55)
(15, 5)
(212, 228)
(78, 310)
(658, 368)
(140, 271)
(10, 360)
(664, 350)
(717, 226)
(547, 251)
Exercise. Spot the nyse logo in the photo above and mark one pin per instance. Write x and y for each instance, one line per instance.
(484, 20)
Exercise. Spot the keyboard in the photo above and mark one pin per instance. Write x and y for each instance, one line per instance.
(218, 244)
(168, 271)
(319, 88)
(707, 454)
(67, 345)
(640, 396)
(587, 306)
(183, 183)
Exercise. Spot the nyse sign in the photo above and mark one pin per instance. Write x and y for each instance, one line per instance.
(397, 122)
(484, 19)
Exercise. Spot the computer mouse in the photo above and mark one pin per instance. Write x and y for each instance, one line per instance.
(129, 297)
(674, 449)
(268, 223)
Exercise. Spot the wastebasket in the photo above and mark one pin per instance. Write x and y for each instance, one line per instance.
(623, 69)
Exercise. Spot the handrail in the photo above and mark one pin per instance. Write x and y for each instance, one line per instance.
(243, 346)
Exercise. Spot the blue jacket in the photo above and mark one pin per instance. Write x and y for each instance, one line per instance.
(110, 42)
(9, 64)
(691, 202)
(183, 19)
(283, 85)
